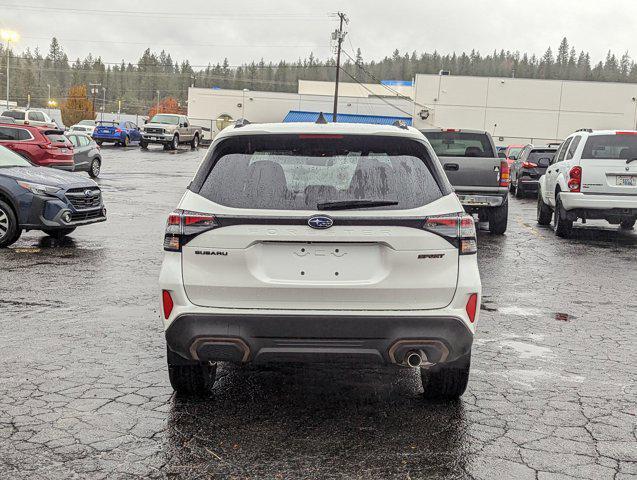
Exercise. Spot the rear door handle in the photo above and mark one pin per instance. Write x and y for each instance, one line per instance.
(452, 166)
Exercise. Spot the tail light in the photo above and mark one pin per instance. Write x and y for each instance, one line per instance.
(184, 225)
(504, 173)
(472, 307)
(459, 229)
(167, 303)
(575, 179)
(528, 165)
(118, 130)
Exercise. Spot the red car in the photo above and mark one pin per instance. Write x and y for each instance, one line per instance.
(513, 153)
(40, 145)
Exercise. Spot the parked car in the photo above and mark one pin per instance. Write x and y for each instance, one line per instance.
(318, 242)
(41, 146)
(528, 168)
(37, 198)
(120, 133)
(84, 126)
(170, 130)
(512, 152)
(502, 152)
(7, 120)
(592, 176)
(86, 154)
(479, 177)
(36, 118)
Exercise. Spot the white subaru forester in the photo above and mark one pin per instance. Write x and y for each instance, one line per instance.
(320, 242)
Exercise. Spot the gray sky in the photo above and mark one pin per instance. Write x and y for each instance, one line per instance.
(245, 30)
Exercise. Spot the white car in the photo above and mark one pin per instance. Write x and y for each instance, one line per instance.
(592, 176)
(36, 118)
(320, 242)
(85, 126)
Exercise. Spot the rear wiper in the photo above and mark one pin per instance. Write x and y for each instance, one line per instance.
(631, 160)
(351, 204)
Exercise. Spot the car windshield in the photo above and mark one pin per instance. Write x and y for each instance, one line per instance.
(460, 144)
(9, 158)
(302, 172)
(165, 119)
(87, 122)
(13, 114)
(611, 147)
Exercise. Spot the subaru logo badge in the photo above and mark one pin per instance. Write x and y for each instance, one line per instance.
(88, 193)
(320, 222)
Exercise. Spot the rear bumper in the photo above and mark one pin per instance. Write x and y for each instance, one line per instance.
(589, 201)
(316, 338)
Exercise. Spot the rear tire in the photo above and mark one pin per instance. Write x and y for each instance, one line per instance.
(563, 226)
(446, 381)
(190, 378)
(544, 213)
(499, 218)
(519, 191)
(195, 142)
(10, 230)
(94, 170)
(60, 232)
(628, 224)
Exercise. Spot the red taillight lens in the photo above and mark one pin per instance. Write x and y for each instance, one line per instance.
(167, 303)
(575, 179)
(472, 307)
(528, 165)
(458, 229)
(504, 173)
(118, 130)
(626, 133)
(183, 226)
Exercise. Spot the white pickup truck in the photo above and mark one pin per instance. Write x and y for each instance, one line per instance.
(170, 130)
(592, 176)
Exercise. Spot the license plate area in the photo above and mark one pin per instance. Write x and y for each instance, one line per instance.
(626, 181)
(318, 262)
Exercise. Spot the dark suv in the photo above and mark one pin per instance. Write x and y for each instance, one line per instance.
(528, 167)
(38, 198)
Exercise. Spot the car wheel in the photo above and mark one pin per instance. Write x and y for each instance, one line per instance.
(446, 381)
(544, 212)
(563, 226)
(174, 145)
(10, 231)
(96, 165)
(499, 218)
(195, 142)
(59, 233)
(190, 378)
(143, 145)
(519, 191)
(628, 224)
(511, 187)
(126, 141)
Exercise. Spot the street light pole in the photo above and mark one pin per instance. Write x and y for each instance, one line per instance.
(157, 101)
(49, 100)
(243, 103)
(8, 36)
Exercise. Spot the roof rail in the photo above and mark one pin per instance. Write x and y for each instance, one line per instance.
(400, 124)
(321, 120)
(242, 122)
(588, 130)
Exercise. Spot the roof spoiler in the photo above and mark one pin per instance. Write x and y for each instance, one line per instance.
(242, 122)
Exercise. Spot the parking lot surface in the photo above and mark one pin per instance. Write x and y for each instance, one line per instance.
(84, 391)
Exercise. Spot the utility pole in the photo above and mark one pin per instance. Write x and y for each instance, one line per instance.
(157, 102)
(94, 89)
(338, 36)
(103, 102)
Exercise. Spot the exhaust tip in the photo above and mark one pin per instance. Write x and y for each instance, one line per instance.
(413, 359)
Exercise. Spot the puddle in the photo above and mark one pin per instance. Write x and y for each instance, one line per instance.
(528, 350)
(564, 317)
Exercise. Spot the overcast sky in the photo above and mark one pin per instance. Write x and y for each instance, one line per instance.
(246, 30)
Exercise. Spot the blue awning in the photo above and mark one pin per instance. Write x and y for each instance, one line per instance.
(295, 116)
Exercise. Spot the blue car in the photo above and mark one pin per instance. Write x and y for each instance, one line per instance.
(40, 198)
(120, 133)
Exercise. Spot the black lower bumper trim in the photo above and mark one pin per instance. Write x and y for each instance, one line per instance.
(315, 338)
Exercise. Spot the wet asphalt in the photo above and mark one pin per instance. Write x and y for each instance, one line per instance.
(84, 391)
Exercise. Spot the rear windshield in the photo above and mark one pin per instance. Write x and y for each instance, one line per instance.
(460, 144)
(107, 124)
(611, 147)
(294, 172)
(536, 155)
(13, 114)
(56, 137)
(514, 151)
